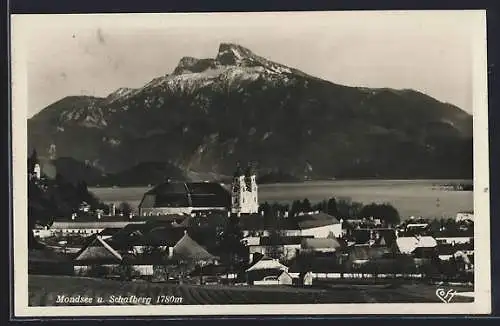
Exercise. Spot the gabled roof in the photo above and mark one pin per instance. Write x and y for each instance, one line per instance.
(98, 250)
(309, 221)
(266, 264)
(188, 249)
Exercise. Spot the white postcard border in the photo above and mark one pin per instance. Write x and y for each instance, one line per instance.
(20, 25)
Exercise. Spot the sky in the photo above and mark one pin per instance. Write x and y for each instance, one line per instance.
(96, 54)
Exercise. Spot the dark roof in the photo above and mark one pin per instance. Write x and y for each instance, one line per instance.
(283, 240)
(109, 231)
(446, 249)
(188, 249)
(308, 221)
(464, 246)
(149, 234)
(193, 194)
(424, 252)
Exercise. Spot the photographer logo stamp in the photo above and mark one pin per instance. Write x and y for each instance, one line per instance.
(445, 295)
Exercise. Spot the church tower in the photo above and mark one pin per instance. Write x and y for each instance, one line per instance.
(244, 198)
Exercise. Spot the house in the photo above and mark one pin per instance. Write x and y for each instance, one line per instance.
(283, 278)
(84, 207)
(97, 258)
(464, 216)
(320, 244)
(266, 267)
(407, 245)
(361, 254)
(315, 224)
(86, 224)
(42, 232)
(286, 247)
(319, 225)
(455, 236)
(446, 251)
(187, 249)
(377, 236)
(316, 265)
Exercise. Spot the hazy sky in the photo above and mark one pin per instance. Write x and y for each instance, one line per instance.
(96, 54)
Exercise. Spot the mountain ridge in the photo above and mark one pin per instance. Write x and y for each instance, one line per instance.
(210, 113)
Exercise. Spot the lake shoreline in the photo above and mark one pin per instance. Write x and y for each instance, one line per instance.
(409, 197)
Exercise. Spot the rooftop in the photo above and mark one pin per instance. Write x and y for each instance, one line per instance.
(184, 194)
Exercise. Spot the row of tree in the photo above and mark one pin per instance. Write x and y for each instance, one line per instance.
(339, 208)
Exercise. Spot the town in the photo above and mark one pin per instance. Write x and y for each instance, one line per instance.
(203, 233)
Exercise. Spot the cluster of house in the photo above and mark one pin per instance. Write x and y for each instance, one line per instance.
(164, 241)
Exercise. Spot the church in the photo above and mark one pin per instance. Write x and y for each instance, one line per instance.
(203, 197)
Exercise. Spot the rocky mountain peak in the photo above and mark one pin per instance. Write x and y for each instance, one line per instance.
(232, 54)
(193, 65)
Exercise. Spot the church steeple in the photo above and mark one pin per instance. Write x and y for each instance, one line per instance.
(239, 171)
(244, 199)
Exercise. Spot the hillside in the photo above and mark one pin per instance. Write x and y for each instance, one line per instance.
(210, 113)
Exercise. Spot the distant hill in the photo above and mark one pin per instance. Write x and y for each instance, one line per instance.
(210, 113)
(146, 173)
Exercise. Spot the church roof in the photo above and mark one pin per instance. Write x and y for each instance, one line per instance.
(187, 194)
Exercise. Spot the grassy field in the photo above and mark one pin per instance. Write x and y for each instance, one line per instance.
(43, 291)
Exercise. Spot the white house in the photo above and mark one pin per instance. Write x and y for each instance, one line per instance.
(319, 225)
(407, 245)
(454, 239)
(464, 216)
(88, 227)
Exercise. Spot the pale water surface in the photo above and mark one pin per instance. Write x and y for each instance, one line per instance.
(410, 197)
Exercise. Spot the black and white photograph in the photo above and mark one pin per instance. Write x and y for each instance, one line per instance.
(272, 163)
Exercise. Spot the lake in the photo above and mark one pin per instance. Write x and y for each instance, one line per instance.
(410, 197)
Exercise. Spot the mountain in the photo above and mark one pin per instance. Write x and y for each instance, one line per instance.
(210, 113)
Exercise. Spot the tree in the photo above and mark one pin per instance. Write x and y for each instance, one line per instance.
(32, 160)
(331, 207)
(125, 208)
(306, 205)
(230, 243)
(385, 212)
(296, 207)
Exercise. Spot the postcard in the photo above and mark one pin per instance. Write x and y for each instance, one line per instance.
(278, 163)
